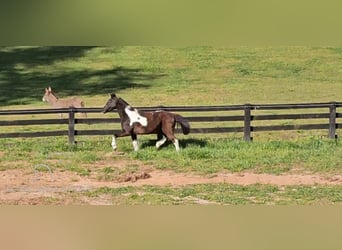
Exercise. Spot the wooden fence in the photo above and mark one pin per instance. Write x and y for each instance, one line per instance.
(323, 111)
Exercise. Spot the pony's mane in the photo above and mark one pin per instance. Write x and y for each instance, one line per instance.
(122, 100)
(52, 92)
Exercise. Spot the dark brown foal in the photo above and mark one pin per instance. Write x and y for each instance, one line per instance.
(134, 122)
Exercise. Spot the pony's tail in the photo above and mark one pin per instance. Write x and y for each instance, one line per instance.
(184, 124)
(82, 106)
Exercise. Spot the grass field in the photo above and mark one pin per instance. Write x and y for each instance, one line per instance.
(171, 76)
(151, 76)
(224, 194)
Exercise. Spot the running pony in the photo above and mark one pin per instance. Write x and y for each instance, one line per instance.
(134, 122)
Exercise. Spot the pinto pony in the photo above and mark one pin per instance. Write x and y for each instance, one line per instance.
(134, 122)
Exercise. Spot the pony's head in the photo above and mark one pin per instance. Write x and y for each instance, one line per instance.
(111, 103)
(48, 91)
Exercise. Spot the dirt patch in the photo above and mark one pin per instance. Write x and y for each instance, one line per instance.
(162, 178)
(134, 177)
(30, 187)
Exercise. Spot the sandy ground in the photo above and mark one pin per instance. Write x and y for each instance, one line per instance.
(31, 187)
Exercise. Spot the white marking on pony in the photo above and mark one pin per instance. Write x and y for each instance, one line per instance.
(114, 143)
(134, 116)
(135, 145)
(176, 143)
(160, 142)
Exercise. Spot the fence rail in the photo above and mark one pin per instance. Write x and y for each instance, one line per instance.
(247, 118)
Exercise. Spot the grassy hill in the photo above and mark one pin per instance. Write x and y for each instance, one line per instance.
(171, 76)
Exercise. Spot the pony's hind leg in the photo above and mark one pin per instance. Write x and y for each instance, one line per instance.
(169, 132)
(176, 143)
(135, 142)
(160, 142)
(161, 139)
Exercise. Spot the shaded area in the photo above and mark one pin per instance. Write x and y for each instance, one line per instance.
(21, 83)
(183, 143)
(193, 141)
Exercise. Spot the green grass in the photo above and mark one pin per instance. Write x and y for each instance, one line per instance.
(233, 155)
(203, 155)
(55, 152)
(171, 76)
(223, 194)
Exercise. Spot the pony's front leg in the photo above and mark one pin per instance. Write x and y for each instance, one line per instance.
(121, 134)
(114, 146)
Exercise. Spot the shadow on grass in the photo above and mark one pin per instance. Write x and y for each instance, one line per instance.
(20, 85)
(183, 143)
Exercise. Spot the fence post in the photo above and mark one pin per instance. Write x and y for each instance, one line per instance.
(332, 120)
(71, 128)
(247, 123)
